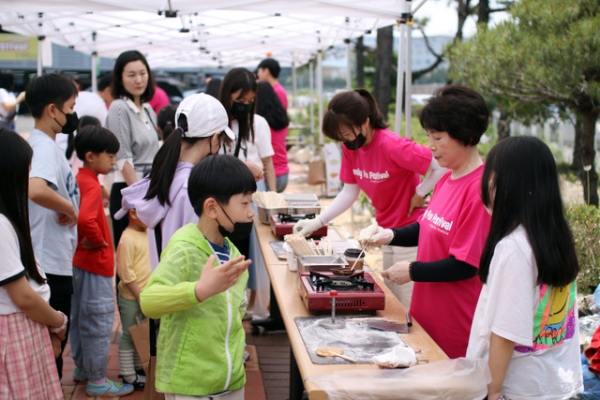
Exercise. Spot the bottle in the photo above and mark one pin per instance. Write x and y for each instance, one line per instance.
(351, 256)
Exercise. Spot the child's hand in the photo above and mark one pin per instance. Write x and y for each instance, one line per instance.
(91, 246)
(55, 344)
(67, 219)
(215, 280)
(61, 334)
(256, 170)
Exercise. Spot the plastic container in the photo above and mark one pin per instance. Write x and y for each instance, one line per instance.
(320, 263)
(292, 260)
(351, 256)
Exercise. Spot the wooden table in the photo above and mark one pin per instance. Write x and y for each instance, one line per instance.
(284, 285)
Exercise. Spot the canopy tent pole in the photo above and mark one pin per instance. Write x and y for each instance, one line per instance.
(93, 74)
(348, 64)
(400, 81)
(40, 38)
(294, 80)
(320, 93)
(40, 54)
(94, 62)
(311, 85)
(408, 98)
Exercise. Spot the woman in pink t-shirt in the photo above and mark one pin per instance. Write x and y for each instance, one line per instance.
(452, 231)
(269, 106)
(386, 166)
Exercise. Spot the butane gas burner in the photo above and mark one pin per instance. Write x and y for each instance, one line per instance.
(357, 292)
(283, 224)
(283, 218)
(357, 281)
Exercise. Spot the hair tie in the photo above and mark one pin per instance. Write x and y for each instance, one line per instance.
(181, 130)
(169, 123)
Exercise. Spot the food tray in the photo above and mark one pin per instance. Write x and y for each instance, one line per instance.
(320, 263)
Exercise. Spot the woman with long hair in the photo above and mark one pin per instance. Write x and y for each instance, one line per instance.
(27, 322)
(269, 106)
(133, 121)
(253, 136)
(525, 323)
(253, 146)
(386, 166)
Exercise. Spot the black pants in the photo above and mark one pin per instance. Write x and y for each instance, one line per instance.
(61, 289)
(118, 225)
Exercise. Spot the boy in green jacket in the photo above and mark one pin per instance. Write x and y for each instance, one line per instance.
(198, 289)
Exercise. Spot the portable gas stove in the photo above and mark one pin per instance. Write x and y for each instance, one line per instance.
(282, 224)
(357, 292)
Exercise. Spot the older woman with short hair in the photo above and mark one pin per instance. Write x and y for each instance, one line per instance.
(452, 231)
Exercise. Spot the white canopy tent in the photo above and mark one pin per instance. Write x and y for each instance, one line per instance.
(201, 32)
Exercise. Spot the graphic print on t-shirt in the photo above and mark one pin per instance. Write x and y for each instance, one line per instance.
(437, 222)
(373, 176)
(554, 320)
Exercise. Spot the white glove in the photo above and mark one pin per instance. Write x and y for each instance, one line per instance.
(307, 226)
(365, 235)
(377, 234)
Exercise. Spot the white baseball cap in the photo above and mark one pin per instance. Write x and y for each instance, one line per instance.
(205, 116)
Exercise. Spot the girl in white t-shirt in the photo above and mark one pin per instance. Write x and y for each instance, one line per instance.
(525, 323)
(27, 322)
(237, 94)
(252, 145)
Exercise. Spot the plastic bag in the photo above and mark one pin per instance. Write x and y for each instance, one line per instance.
(459, 379)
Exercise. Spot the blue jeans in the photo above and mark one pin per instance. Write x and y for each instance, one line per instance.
(591, 382)
(92, 316)
(281, 182)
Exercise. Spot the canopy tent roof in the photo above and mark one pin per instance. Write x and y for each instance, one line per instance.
(207, 33)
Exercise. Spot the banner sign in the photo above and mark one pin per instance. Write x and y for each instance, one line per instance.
(18, 48)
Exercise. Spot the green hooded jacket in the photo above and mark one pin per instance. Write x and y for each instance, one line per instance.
(200, 344)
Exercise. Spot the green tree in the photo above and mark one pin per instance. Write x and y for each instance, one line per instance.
(546, 53)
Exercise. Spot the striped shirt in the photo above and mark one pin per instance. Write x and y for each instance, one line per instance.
(136, 132)
(221, 252)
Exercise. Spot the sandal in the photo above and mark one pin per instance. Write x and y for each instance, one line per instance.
(138, 383)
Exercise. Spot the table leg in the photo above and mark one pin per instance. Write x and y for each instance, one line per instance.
(274, 322)
(296, 385)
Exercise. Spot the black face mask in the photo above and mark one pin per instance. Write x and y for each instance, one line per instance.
(225, 232)
(357, 143)
(72, 122)
(241, 230)
(240, 110)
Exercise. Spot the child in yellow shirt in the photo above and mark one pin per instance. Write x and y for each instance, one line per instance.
(133, 268)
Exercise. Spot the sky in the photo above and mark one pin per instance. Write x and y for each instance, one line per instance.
(444, 20)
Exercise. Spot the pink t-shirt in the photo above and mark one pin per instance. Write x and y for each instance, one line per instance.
(280, 92)
(278, 138)
(388, 170)
(159, 100)
(279, 143)
(455, 223)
